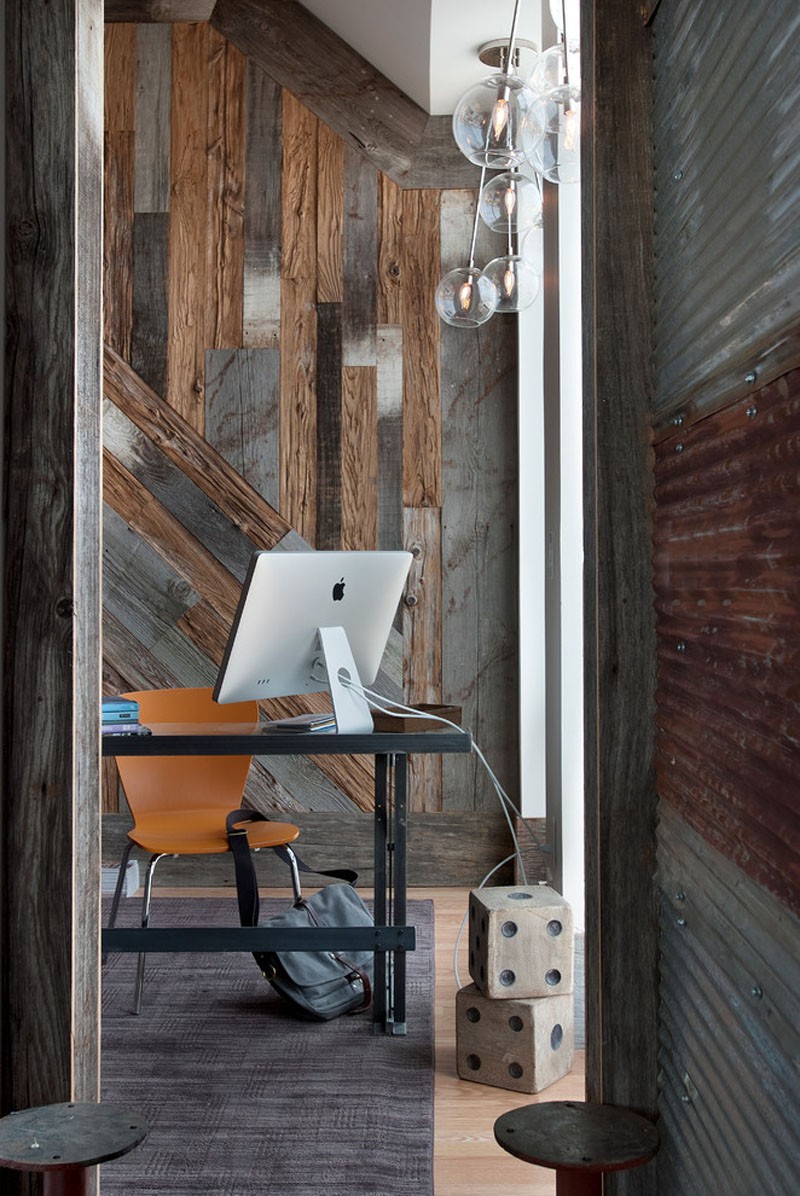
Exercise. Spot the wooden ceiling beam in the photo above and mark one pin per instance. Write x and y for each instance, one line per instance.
(345, 91)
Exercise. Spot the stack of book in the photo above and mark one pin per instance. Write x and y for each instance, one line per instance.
(120, 716)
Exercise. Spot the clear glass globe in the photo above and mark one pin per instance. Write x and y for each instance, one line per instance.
(517, 283)
(557, 156)
(488, 121)
(510, 202)
(466, 297)
(549, 70)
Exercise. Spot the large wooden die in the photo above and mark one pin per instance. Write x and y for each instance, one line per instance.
(524, 1044)
(520, 941)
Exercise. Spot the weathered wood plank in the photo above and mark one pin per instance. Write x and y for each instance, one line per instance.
(200, 517)
(444, 849)
(390, 251)
(621, 1062)
(145, 515)
(262, 210)
(422, 641)
(298, 426)
(330, 215)
(422, 418)
(226, 164)
(118, 159)
(148, 354)
(359, 305)
(390, 437)
(49, 1022)
(243, 412)
(329, 426)
(153, 108)
(359, 458)
(158, 10)
(187, 222)
(255, 517)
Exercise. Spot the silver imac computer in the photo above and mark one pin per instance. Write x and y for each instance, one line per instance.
(313, 621)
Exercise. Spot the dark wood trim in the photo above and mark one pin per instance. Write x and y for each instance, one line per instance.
(150, 11)
(49, 842)
(621, 922)
(345, 91)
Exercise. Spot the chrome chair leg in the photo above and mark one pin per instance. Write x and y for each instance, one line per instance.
(148, 890)
(295, 873)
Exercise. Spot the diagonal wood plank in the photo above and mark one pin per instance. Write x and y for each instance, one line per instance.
(174, 436)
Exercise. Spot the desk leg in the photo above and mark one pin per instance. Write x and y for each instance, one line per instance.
(379, 1006)
(399, 911)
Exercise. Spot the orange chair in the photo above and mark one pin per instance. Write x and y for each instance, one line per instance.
(179, 803)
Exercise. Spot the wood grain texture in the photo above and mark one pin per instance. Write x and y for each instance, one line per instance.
(188, 214)
(390, 437)
(195, 457)
(422, 642)
(359, 458)
(49, 1016)
(329, 426)
(242, 414)
(330, 215)
(360, 261)
(153, 109)
(362, 106)
(148, 351)
(120, 59)
(262, 210)
(226, 165)
(390, 251)
(298, 318)
(621, 1063)
(422, 418)
(158, 10)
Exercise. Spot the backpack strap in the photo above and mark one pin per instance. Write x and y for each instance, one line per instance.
(244, 870)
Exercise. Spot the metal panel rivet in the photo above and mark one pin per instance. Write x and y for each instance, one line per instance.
(678, 175)
(750, 377)
(752, 412)
(757, 992)
(680, 896)
(681, 646)
(680, 921)
(678, 448)
(677, 420)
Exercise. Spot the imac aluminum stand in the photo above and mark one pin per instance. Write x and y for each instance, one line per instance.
(349, 706)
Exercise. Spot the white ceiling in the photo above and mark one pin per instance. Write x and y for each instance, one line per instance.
(429, 48)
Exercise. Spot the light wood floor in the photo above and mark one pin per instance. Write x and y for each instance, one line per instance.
(467, 1161)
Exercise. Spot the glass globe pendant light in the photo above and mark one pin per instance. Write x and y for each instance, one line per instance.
(510, 200)
(489, 118)
(516, 280)
(556, 77)
(466, 297)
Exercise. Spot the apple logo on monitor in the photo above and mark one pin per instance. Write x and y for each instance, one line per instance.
(338, 591)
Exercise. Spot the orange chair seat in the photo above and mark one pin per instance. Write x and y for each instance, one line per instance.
(201, 832)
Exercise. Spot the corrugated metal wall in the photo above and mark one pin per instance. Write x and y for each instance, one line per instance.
(726, 414)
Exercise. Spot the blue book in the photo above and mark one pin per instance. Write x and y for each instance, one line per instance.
(119, 710)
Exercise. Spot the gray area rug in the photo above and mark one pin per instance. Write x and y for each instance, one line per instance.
(242, 1097)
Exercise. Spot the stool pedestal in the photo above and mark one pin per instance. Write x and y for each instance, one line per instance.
(579, 1141)
(65, 1142)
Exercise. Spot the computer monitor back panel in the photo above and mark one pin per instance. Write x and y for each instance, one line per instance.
(273, 649)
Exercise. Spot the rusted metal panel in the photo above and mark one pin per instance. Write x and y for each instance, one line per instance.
(730, 1011)
(726, 558)
(727, 254)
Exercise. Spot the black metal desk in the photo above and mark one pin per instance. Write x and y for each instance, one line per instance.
(390, 938)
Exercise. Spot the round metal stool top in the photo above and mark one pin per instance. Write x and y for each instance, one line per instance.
(570, 1135)
(54, 1137)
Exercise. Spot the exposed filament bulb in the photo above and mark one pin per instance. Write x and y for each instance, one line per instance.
(570, 128)
(465, 296)
(500, 115)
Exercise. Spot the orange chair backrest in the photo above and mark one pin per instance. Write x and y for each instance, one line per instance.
(185, 782)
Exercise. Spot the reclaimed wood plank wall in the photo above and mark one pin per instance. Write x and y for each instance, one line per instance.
(276, 376)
